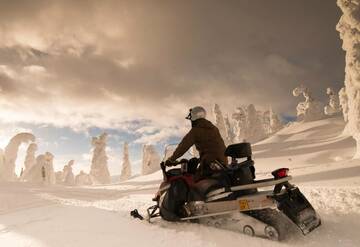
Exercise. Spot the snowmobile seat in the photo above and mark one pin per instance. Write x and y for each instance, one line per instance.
(239, 150)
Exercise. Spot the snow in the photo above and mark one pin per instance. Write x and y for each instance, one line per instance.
(319, 157)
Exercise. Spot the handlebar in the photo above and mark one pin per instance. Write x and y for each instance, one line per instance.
(175, 163)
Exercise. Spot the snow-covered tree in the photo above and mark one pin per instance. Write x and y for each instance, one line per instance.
(310, 109)
(349, 29)
(69, 178)
(34, 174)
(2, 161)
(99, 171)
(239, 118)
(42, 171)
(126, 165)
(275, 123)
(343, 100)
(229, 131)
(254, 127)
(83, 179)
(151, 160)
(333, 107)
(7, 170)
(30, 159)
(169, 150)
(265, 117)
(59, 177)
(220, 122)
(49, 168)
(194, 152)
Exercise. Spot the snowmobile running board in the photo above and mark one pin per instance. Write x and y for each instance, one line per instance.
(209, 215)
(256, 201)
(255, 185)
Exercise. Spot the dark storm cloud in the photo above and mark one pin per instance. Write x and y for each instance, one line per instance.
(120, 60)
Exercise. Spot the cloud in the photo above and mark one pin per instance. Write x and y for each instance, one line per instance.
(160, 135)
(114, 64)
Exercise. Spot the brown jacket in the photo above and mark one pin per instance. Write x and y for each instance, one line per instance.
(207, 140)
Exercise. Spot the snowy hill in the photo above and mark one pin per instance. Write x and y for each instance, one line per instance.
(319, 158)
(309, 148)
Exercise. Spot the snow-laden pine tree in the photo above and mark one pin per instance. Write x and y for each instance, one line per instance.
(349, 29)
(151, 160)
(275, 123)
(310, 109)
(30, 159)
(83, 179)
(220, 122)
(42, 171)
(69, 178)
(99, 170)
(49, 168)
(333, 107)
(7, 170)
(265, 116)
(239, 117)
(2, 161)
(343, 100)
(194, 152)
(229, 131)
(169, 150)
(59, 177)
(254, 127)
(126, 165)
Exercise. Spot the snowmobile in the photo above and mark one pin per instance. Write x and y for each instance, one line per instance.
(232, 198)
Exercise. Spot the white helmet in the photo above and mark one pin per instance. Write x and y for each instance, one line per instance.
(196, 112)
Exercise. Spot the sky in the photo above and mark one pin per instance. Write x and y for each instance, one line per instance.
(70, 70)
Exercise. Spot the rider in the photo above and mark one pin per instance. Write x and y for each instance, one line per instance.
(207, 140)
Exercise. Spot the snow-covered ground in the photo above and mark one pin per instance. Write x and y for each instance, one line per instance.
(317, 154)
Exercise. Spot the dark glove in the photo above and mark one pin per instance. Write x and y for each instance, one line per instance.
(169, 162)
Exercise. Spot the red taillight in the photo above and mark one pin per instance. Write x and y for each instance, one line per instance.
(280, 173)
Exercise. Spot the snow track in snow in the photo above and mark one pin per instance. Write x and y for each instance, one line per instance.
(338, 207)
(340, 201)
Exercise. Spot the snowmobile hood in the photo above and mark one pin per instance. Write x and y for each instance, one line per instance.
(202, 123)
